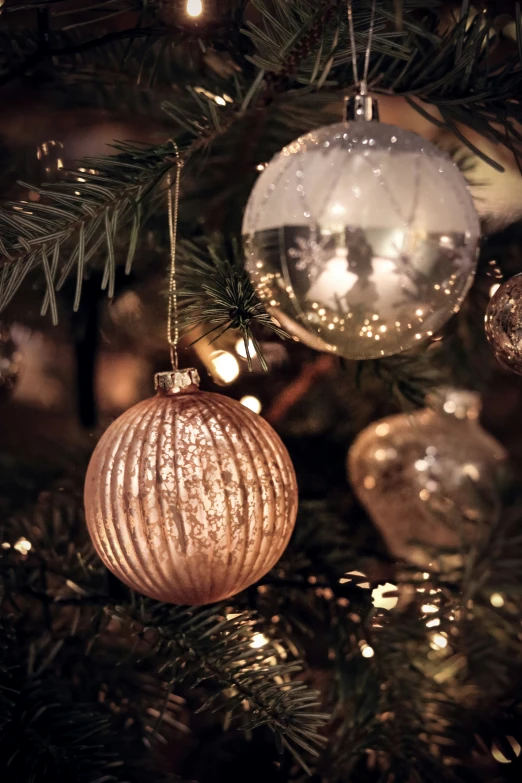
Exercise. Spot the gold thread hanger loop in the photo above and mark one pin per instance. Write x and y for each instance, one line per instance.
(173, 209)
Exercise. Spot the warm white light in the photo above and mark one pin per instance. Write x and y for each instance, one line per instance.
(381, 598)
(258, 640)
(338, 209)
(23, 546)
(194, 7)
(438, 641)
(500, 757)
(494, 288)
(348, 577)
(433, 623)
(429, 608)
(471, 471)
(497, 600)
(251, 402)
(225, 366)
(241, 348)
(220, 101)
(367, 651)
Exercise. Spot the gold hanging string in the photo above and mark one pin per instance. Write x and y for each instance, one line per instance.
(173, 206)
(362, 85)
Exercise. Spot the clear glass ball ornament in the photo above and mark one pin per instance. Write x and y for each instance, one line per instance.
(361, 239)
(429, 479)
(504, 324)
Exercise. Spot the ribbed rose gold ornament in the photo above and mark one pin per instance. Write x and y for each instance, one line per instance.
(189, 496)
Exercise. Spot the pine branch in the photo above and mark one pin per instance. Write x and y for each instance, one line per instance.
(86, 210)
(191, 646)
(216, 289)
(206, 646)
(49, 738)
(460, 69)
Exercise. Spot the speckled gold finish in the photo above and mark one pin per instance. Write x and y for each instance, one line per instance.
(190, 497)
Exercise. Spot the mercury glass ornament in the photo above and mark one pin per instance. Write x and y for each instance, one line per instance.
(429, 477)
(504, 324)
(361, 239)
(10, 362)
(189, 496)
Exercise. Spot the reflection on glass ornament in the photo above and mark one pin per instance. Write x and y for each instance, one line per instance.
(51, 156)
(430, 477)
(10, 362)
(361, 239)
(504, 324)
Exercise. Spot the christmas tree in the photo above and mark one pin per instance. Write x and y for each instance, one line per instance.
(347, 322)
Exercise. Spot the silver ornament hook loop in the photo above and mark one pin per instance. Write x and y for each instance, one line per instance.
(360, 106)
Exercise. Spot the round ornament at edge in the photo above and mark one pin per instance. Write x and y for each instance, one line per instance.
(503, 324)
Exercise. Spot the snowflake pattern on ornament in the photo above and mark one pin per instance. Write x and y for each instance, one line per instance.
(311, 254)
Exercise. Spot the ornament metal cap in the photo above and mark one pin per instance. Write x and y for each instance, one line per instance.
(176, 381)
(360, 107)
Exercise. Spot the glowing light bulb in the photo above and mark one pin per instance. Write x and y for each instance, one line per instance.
(438, 641)
(251, 402)
(367, 651)
(194, 7)
(259, 640)
(23, 546)
(241, 348)
(381, 598)
(497, 600)
(225, 366)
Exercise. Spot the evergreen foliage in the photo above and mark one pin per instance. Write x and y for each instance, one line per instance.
(99, 684)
